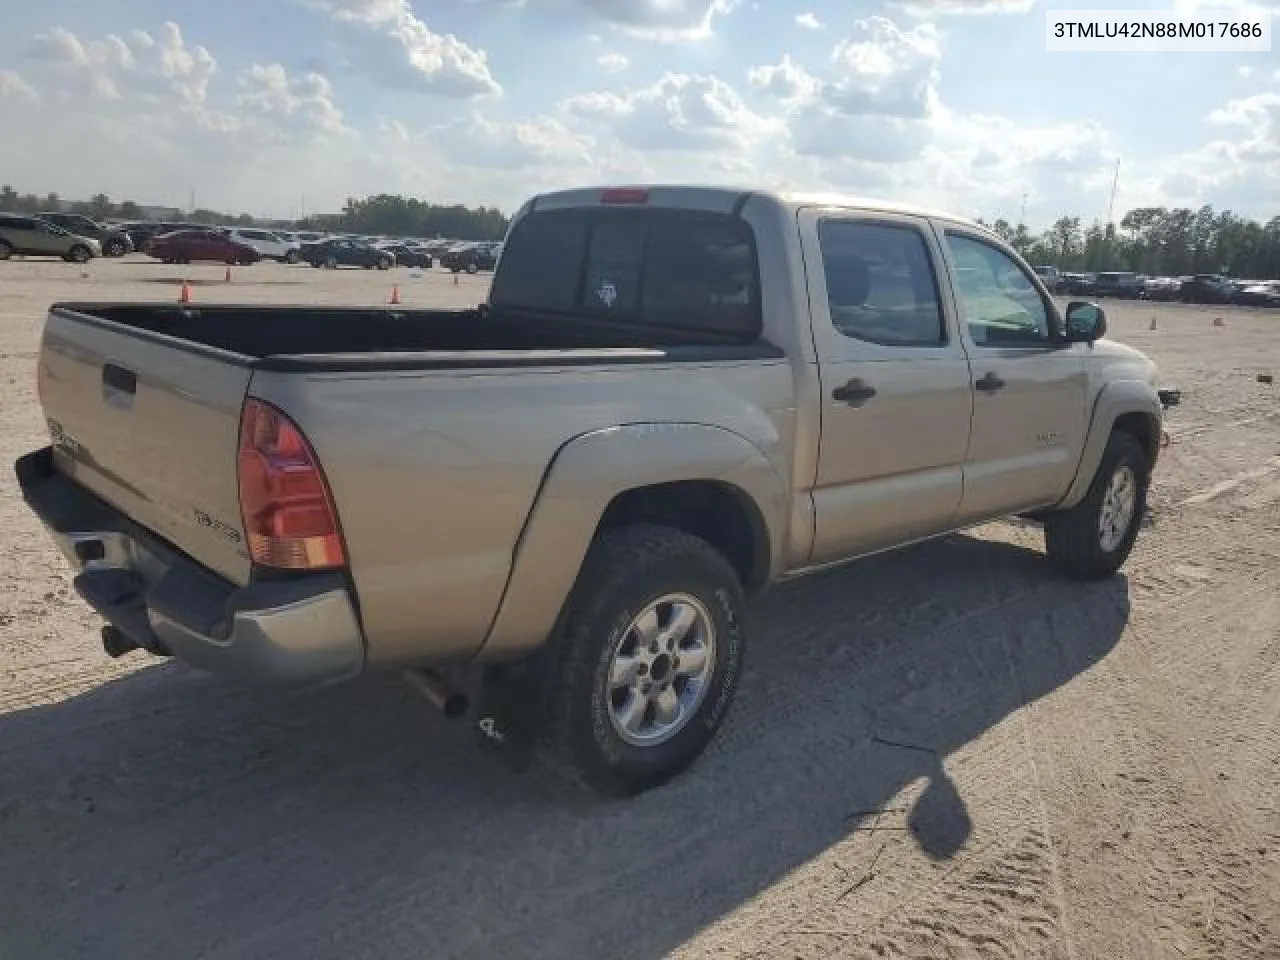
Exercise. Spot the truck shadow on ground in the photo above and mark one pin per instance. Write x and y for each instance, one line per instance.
(166, 814)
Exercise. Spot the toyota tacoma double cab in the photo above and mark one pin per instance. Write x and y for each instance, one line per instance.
(549, 511)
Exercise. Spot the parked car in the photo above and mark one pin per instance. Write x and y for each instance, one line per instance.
(1264, 294)
(1079, 284)
(270, 246)
(189, 246)
(32, 237)
(1128, 286)
(305, 494)
(1162, 288)
(114, 241)
(1207, 288)
(470, 257)
(343, 252)
(408, 255)
(1050, 276)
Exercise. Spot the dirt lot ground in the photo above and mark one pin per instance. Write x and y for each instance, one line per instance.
(945, 752)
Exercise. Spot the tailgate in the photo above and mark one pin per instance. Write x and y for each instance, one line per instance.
(151, 426)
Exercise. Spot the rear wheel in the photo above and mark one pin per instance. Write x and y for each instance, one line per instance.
(384, 263)
(649, 651)
(291, 257)
(331, 263)
(1092, 540)
(6, 251)
(473, 268)
(114, 247)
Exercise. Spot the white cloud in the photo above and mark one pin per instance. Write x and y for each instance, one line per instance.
(385, 40)
(12, 85)
(542, 141)
(943, 8)
(809, 21)
(113, 68)
(886, 70)
(665, 20)
(307, 102)
(612, 62)
(785, 80)
(678, 112)
(1244, 71)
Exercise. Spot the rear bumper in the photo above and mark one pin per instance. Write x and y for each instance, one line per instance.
(295, 632)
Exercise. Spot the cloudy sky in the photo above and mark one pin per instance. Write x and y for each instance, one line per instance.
(953, 103)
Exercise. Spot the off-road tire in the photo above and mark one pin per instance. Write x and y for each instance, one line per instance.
(625, 570)
(1072, 538)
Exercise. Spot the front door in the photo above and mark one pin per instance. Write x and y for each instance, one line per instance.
(1030, 390)
(896, 399)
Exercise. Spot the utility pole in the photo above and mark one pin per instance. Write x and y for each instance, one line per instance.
(1111, 204)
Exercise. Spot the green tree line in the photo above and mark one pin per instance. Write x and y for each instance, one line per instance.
(1156, 241)
(383, 214)
(410, 217)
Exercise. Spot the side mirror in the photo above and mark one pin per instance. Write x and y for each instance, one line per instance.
(1085, 322)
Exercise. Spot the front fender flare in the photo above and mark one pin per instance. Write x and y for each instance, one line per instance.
(585, 476)
(1114, 400)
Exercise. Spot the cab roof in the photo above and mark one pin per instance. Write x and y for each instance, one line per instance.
(726, 199)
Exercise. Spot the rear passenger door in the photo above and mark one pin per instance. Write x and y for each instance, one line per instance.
(896, 399)
(1030, 391)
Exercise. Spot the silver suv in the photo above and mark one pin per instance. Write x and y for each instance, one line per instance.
(33, 237)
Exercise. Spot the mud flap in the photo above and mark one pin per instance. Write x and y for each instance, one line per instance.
(510, 706)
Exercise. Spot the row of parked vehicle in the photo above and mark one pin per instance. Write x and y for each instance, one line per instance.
(78, 238)
(1204, 288)
(188, 243)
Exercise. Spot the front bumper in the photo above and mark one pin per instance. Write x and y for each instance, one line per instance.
(300, 631)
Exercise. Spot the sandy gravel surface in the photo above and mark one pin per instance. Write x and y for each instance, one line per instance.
(944, 752)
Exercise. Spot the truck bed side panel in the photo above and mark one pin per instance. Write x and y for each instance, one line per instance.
(434, 473)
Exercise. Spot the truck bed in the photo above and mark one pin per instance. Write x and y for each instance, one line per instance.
(330, 338)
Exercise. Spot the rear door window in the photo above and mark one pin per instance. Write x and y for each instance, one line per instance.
(655, 267)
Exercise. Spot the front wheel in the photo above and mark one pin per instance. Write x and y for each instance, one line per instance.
(473, 268)
(291, 257)
(79, 254)
(1092, 540)
(114, 248)
(6, 251)
(650, 652)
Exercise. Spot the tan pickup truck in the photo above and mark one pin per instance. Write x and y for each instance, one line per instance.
(549, 511)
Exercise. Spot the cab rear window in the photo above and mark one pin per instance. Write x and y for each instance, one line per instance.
(650, 267)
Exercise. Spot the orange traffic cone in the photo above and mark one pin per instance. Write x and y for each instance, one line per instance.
(227, 278)
(184, 295)
(395, 295)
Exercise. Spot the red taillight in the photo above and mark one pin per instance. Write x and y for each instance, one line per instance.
(284, 499)
(625, 195)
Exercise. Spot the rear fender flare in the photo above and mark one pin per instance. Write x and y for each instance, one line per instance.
(1114, 401)
(585, 476)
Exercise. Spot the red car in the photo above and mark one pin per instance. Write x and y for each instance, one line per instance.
(184, 246)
